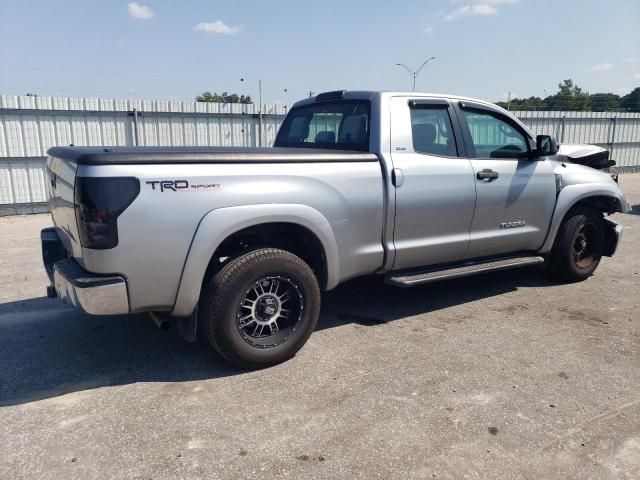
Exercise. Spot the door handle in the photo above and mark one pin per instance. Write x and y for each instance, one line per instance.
(487, 174)
(397, 177)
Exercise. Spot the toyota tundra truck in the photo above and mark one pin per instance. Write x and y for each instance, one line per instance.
(238, 243)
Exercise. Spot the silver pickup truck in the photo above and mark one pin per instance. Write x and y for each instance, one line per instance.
(238, 243)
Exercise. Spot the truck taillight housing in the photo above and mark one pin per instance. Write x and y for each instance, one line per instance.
(99, 201)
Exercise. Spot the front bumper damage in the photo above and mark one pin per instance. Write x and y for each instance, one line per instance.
(613, 235)
(95, 294)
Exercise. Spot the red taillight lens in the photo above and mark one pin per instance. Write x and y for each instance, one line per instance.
(99, 202)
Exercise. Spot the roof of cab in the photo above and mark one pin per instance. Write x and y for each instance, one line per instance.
(381, 95)
(371, 94)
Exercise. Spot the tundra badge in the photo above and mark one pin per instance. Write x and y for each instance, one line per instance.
(516, 224)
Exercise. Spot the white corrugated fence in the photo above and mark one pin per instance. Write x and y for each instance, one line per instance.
(31, 125)
(619, 132)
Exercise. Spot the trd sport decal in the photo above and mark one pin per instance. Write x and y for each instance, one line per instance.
(182, 186)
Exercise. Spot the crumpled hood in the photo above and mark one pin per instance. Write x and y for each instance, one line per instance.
(588, 155)
(573, 172)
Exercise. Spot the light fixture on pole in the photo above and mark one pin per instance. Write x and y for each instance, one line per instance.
(415, 73)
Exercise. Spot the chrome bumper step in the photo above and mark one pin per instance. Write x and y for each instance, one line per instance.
(410, 279)
(94, 293)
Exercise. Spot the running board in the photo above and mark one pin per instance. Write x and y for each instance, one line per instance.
(464, 270)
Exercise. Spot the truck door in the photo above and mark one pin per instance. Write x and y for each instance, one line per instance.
(434, 183)
(516, 195)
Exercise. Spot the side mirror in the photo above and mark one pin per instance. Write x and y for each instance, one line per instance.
(546, 145)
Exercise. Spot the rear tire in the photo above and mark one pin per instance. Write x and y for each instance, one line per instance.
(578, 247)
(260, 308)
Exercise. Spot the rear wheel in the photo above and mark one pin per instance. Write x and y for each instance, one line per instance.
(261, 308)
(578, 247)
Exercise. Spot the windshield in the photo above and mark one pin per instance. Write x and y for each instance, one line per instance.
(342, 125)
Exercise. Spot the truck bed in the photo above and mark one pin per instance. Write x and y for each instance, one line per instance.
(150, 155)
(343, 189)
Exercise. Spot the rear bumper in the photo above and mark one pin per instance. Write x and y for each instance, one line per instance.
(93, 293)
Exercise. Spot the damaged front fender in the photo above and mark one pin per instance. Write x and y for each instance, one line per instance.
(588, 155)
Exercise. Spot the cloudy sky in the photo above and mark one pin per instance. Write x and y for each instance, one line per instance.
(176, 49)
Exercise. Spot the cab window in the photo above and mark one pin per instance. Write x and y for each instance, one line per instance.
(494, 137)
(432, 131)
(339, 125)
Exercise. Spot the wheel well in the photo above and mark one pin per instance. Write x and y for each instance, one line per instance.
(601, 203)
(287, 236)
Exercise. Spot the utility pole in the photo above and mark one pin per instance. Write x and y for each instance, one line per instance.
(415, 73)
(508, 100)
(260, 114)
(259, 111)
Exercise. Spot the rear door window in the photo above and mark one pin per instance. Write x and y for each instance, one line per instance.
(432, 131)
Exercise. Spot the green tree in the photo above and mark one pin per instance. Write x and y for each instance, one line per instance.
(605, 102)
(572, 97)
(631, 101)
(569, 97)
(531, 103)
(223, 98)
(208, 97)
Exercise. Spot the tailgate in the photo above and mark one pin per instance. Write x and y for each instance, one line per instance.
(61, 175)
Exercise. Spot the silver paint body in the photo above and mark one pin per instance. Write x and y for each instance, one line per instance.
(440, 213)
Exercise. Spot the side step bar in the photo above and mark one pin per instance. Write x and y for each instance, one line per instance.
(405, 279)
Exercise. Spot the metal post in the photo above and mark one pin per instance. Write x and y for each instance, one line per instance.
(136, 138)
(12, 188)
(614, 121)
(260, 113)
(29, 189)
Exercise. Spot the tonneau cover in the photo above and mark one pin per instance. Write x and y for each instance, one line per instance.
(137, 155)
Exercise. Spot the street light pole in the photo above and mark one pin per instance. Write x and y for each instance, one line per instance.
(415, 73)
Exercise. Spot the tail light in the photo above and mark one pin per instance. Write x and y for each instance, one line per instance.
(99, 202)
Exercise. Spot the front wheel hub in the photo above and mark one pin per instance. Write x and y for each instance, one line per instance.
(585, 245)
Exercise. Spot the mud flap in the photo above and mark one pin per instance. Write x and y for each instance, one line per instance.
(187, 326)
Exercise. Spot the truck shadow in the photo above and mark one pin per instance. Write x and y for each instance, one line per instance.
(48, 349)
(369, 302)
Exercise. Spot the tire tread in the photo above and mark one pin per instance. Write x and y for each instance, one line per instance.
(217, 288)
(560, 263)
